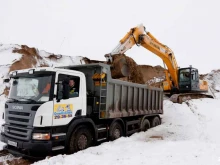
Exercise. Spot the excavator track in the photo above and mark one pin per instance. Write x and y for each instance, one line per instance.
(183, 97)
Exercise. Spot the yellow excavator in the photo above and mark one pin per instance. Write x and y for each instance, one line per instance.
(180, 84)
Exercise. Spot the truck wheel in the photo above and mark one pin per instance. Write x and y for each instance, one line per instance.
(145, 125)
(155, 122)
(115, 131)
(80, 139)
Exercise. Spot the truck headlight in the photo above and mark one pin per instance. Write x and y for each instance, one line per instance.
(41, 136)
(3, 129)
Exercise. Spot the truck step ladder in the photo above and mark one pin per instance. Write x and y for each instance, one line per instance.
(102, 133)
(103, 100)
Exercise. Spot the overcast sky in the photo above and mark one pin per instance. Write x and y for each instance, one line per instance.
(93, 28)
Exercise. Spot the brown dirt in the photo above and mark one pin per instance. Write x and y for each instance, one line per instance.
(149, 72)
(157, 137)
(7, 159)
(17, 162)
(136, 75)
(28, 60)
(139, 73)
(54, 57)
(202, 76)
(89, 61)
(6, 91)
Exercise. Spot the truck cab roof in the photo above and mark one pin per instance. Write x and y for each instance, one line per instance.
(62, 68)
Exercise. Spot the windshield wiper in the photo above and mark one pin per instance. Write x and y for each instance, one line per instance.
(16, 100)
(28, 99)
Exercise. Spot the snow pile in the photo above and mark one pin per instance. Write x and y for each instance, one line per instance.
(188, 136)
(6, 54)
(213, 79)
(60, 60)
(155, 80)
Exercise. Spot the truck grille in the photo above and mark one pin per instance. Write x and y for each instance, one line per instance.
(19, 123)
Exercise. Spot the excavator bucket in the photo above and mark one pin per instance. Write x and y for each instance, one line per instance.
(123, 66)
(119, 67)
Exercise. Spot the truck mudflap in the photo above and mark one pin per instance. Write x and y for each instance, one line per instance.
(183, 97)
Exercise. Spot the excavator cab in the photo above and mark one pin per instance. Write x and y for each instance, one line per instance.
(188, 80)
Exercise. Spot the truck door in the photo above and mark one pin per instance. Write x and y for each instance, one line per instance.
(66, 109)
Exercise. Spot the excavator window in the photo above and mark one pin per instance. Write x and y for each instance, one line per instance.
(194, 74)
(185, 75)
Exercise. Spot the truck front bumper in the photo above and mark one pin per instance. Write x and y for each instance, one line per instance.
(30, 149)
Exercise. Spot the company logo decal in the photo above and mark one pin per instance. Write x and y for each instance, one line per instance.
(62, 111)
(17, 107)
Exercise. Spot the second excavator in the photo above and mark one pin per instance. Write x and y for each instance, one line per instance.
(180, 84)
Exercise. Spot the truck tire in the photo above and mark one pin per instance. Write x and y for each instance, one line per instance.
(115, 131)
(155, 122)
(80, 139)
(145, 125)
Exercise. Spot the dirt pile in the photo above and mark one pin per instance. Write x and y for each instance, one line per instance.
(122, 64)
(89, 61)
(29, 58)
(142, 74)
(150, 72)
(136, 75)
(123, 67)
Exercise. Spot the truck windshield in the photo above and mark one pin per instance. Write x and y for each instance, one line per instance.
(33, 89)
(185, 75)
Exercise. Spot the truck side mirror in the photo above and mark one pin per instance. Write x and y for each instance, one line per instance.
(6, 80)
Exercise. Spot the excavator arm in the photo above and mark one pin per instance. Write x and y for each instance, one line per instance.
(140, 37)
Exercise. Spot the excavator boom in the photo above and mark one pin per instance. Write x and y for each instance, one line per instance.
(140, 37)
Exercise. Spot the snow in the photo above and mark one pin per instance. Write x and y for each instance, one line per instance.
(214, 80)
(2, 145)
(155, 80)
(63, 60)
(190, 136)
(6, 54)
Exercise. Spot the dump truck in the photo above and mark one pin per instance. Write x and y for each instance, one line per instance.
(44, 114)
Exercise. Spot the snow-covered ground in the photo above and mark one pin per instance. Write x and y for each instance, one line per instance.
(189, 136)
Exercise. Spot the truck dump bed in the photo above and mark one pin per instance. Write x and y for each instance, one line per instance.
(117, 98)
(131, 99)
